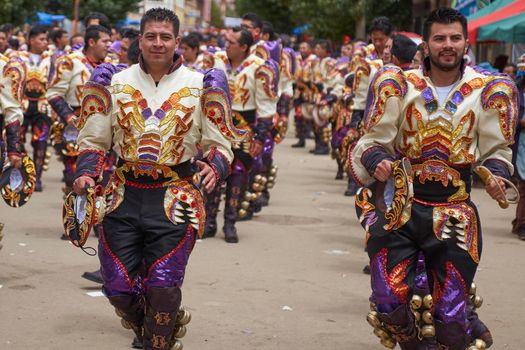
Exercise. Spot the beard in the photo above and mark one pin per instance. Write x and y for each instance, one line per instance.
(446, 66)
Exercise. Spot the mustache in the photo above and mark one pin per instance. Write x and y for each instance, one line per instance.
(448, 52)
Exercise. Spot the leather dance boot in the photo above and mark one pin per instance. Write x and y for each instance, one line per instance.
(131, 310)
(451, 335)
(212, 208)
(299, 125)
(400, 325)
(340, 171)
(234, 191)
(161, 326)
(352, 187)
(39, 155)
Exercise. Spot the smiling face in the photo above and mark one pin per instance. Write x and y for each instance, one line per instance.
(158, 43)
(446, 46)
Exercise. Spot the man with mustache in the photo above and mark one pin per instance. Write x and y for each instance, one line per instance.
(444, 119)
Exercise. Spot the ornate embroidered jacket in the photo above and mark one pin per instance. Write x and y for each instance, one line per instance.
(37, 79)
(70, 73)
(156, 124)
(404, 118)
(12, 82)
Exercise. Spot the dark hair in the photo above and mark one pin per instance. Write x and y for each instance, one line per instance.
(14, 43)
(160, 15)
(246, 37)
(191, 40)
(254, 18)
(134, 52)
(444, 15)
(93, 32)
(56, 34)
(5, 29)
(103, 20)
(513, 65)
(267, 28)
(381, 24)
(325, 44)
(403, 48)
(36, 30)
(129, 33)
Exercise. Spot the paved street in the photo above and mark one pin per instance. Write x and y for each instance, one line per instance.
(293, 282)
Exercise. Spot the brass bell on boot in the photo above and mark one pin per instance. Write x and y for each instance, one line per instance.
(183, 317)
(125, 324)
(45, 167)
(381, 333)
(180, 332)
(119, 312)
(428, 331)
(257, 178)
(241, 213)
(428, 302)
(417, 315)
(247, 195)
(245, 205)
(270, 184)
(273, 171)
(177, 345)
(373, 320)
(271, 179)
(478, 301)
(472, 290)
(427, 317)
(416, 302)
(264, 180)
(480, 344)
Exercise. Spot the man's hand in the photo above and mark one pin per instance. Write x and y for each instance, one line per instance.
(383, 170)
(79, 186)
(207, 175)
(496, 189)
(15, 160)
(256, 148)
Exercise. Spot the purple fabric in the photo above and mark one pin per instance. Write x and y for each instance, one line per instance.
(274, 49)
(220, 163)
(77, 47)
(61, 107)
(116, 279)
(421, 280)
(104, 72)
(283, 105)
(497, 167)
(338, 136)
(238, 167)
(262, 128)
(268, 146)
(169, 270)
(89, 163)
(115, 47)
(382, 294)
(216, 78)
(452, 303)
(373, 156)
(291, 53)
(12, 132)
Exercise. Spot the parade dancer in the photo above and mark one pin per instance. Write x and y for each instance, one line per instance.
(254, 97)
(12, 79)
(364, 66)
(71, 72)
(155, 113)
(35, 105)
(444, 119)
(303, 104)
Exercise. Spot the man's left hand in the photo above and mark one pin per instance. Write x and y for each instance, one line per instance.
(207, 175)
(15, 160)
(496, 189)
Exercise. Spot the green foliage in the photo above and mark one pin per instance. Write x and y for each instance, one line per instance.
(330, 19)
(18, 12)
(276, 11)
(216, 20)
(115, 10)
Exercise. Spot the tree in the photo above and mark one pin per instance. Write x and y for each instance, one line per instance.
(276, 11)
(115, 10)
(18, 12)
(216, 19)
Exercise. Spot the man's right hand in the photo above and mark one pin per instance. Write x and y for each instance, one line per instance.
(79, 186)
(383, 170)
